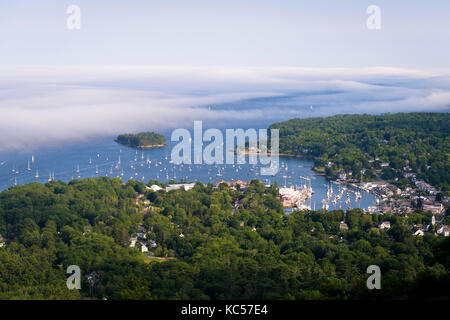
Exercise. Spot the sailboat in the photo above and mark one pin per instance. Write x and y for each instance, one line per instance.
(29, 168)
(78, 168)
(37, 174)
(96, 169)
(32, 158)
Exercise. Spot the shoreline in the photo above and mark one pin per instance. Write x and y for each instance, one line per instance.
(145, 147)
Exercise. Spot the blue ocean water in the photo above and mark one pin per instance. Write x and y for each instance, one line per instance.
(104, 157)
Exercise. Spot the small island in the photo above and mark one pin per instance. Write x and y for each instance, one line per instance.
(143, 140)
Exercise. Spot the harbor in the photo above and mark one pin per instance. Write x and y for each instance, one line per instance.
(304, 188)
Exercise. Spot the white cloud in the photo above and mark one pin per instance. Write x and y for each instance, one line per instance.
(41, 105)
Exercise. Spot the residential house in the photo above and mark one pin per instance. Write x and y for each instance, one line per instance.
(422, 185)
(385, 225)
(153, 244)
(154, 188)
(444, 231)
(133, 242)
(418, 231)
(223, 181)
(185, 186)
(343, 226)
(241, 184)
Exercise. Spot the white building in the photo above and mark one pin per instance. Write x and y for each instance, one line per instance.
(343, 226)
(153, 244)
(385, 225)
(418, 232)
(444, 231)
(185, 186)
(133, 242)
(154, 188)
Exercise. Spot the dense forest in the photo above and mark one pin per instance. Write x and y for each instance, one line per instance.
(219, 243)
(141, 140)
(419, 142)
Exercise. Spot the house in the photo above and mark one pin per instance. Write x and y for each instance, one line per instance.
(138, 198)
(422, 185)
(342, 175)
(153, 244)
(154, 188)
(409, 175)
(444, 231)
(133, 242)
(2, 242)
(385, 225)
(185, 186)
(418, 231)
(343, 226)
(241, 184)
(86, 230)
(290, 196)
(142, 235)
(181, 235)
(384, 164)
(143, 248)
(222, 181)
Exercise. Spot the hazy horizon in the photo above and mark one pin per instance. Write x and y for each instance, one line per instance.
(56, 104)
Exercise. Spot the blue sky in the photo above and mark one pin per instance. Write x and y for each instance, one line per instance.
(414, 34)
